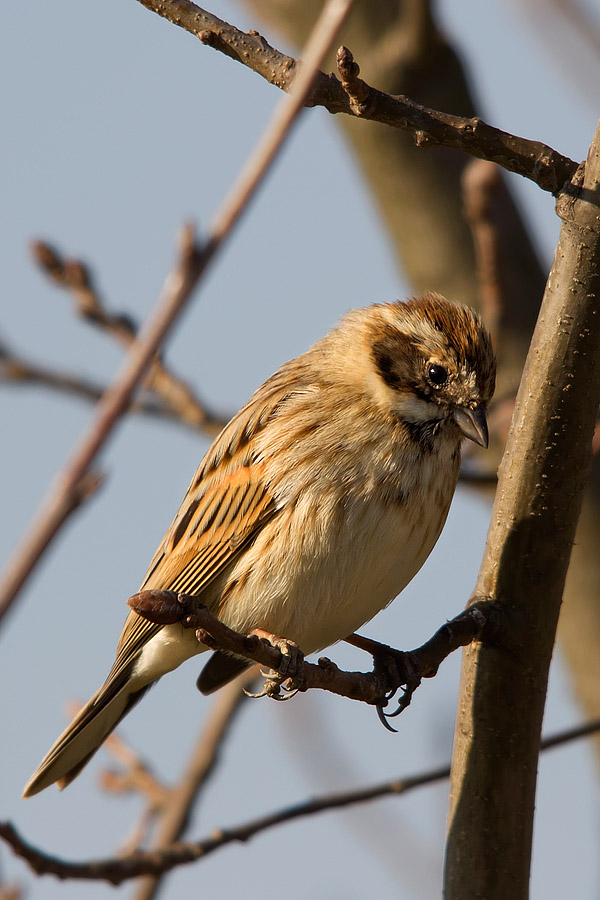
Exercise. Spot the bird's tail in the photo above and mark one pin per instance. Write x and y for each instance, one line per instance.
(78, 743)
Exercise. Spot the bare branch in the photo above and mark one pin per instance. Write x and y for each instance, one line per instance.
(481, 180)
(153, 863)
(393, 668)
(531, 159)
(10, 892)
(135, 774)
(193, 262)
(178, 399)
(18, 371)
(65, 493)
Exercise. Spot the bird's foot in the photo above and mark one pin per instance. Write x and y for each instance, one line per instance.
(399, 669)
(289, 676)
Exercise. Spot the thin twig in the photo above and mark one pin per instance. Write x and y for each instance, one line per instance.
(193, 262)
(117, 870)
(59, 502)
(352, 96)
(135, 773)
(75, 276)
(18, 371)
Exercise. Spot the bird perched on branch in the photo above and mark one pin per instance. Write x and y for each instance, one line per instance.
(315, 506)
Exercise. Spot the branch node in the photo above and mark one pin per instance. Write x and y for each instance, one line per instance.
(423, 138)
(209, 38)
(357, 91)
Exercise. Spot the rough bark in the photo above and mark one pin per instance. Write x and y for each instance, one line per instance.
(542, 479)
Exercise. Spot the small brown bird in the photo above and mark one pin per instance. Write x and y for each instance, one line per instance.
(315, 506)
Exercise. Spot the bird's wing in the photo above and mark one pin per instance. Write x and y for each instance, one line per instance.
(226, 505)
(225, 518)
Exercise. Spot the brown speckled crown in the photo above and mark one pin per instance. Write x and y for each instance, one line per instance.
(399, 344)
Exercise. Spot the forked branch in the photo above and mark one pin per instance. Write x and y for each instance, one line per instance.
(349, 94)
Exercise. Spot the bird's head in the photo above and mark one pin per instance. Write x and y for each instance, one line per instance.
(430, 364)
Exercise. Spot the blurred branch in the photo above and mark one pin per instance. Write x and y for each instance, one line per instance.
(531, 159)
(192, 263)
(136, 775)
(65, 493)
(179, 401)
(485, 210)
(174, 817)
(481, 180)
(568, 33)
(18, 371)
(156, 863)
(574, 15)
(10, 892)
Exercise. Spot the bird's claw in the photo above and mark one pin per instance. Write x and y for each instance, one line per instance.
(401, 669)
(289, 676)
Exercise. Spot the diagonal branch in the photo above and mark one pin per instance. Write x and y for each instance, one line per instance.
(155, 863)
(63, 495)
(175, 814)
(352, 96)
(19, 371)
(193, 261)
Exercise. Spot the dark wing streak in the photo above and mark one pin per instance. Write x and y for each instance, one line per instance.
(202, 557)
(181, 561)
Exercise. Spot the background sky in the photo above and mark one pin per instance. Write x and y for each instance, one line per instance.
(117, 127)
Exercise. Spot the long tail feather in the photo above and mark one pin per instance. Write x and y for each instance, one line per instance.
(78, 743)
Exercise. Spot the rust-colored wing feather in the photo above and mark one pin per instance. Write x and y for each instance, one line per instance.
(226, 505)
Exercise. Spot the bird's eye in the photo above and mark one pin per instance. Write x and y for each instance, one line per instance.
(437, 374)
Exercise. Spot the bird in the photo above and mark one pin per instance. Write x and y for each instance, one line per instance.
(316, 504)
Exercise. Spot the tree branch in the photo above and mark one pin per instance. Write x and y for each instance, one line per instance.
(65, 493)
(393, 668)
(174, 816)
(155, 863)
(18, 371)
(531, 159)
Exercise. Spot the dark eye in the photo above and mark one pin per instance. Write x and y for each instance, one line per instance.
(437, 374)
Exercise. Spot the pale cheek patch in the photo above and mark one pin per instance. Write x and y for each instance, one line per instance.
(404, 406)
(414, 409)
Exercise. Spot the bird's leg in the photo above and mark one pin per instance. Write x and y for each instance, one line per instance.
(400, 669)
(290, 669)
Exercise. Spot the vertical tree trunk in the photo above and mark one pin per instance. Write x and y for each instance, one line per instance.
(542, 479)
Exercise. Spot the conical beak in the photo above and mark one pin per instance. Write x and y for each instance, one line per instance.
(473, 424)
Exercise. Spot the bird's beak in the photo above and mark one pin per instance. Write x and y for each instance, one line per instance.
(473, 424)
